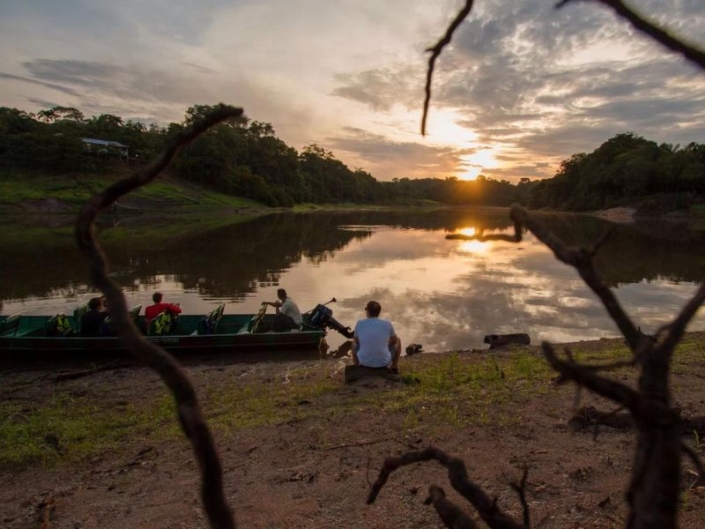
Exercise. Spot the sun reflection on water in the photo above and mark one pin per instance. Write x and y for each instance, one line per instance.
(471, 246)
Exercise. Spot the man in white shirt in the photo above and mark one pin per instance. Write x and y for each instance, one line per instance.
(288, 315)
(375, 343)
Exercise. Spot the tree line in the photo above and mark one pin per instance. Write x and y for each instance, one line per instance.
(624, 168)
(245, 158)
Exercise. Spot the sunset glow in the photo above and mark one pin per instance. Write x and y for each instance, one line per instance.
(506, 103)
(471, 246)
(475, 163)
(470, 174)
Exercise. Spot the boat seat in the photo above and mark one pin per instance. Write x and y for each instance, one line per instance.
(9, 326)
(163, 323)
(134, 313)
(209, 324)
(59, 325)
(78, 314)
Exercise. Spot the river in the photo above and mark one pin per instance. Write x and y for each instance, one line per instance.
(444, 294)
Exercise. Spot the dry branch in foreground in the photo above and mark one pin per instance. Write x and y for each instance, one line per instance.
(189, 411)
(655, 482)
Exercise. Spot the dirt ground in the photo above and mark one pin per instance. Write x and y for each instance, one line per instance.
(314, 468)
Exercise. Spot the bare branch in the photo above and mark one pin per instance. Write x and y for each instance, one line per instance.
(189, 412)
(436, 52)
(669, 335)
(450, 513)
(604, 418)
(610, 389)
(697, 463)
(521, 490)
(458, 476)
(598, 245)
(659, 35)
(582, 260)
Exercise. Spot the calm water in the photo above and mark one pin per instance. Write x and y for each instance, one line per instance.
(444, 294)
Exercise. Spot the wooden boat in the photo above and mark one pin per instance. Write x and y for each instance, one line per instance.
(215, 332)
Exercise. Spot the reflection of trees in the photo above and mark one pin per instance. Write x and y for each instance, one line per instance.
(444, 219)
(632, 253)
(228, 261)
(231, 261)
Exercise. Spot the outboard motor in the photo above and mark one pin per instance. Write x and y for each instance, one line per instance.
(321, 317)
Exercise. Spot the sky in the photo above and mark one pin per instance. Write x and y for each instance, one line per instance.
(522, 87)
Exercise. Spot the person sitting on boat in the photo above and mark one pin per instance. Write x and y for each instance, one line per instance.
(375, 343)
(92, 320)
(288, 315)
(155, 310)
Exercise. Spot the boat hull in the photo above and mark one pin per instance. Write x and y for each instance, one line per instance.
(26, 340)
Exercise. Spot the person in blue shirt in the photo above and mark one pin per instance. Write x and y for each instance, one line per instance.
(375, 343)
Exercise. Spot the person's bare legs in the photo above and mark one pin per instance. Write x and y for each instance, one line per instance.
(395, 350)
(396, 355)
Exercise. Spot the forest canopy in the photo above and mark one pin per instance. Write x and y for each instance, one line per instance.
(245, 158)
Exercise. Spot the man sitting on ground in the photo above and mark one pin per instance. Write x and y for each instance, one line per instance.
(375, 342)
(288, 315)
(153, 311)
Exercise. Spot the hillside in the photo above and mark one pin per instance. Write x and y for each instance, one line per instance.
(23, 193)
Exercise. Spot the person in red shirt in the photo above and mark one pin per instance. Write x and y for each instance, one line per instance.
(153, 311)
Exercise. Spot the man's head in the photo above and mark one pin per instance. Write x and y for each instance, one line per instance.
(157, 297)
(281, 294)
(95, 303)
(373, 309)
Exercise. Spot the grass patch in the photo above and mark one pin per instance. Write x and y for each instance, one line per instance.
(69, 428)
(75, 189)
(441, 391)
(438, 393)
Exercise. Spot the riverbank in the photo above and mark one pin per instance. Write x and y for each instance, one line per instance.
(42, 194)
(300, 448)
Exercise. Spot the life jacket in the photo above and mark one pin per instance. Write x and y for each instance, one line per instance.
(162, 324)
(59, 325)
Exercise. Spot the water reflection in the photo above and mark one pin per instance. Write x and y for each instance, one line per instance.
(445, 294)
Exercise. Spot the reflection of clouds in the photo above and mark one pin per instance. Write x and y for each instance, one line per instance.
(435, 292)
(445, 299)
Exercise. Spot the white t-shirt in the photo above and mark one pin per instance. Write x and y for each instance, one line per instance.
(290, 309)
(373, 335)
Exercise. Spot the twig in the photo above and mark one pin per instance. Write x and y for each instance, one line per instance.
(450, 513)
(608, 388)
(361, 443)
(521, 490)
(659, 35)
(604, 417)
(436, 52)
(582, 261)
(696, 462)
(457, 474)
(87, 372)
(189, 411)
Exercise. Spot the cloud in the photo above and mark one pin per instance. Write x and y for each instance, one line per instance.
(382, 89)
(530, 83)
(52, 86)
(389, 159)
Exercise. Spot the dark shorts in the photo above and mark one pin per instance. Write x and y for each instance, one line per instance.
(283, 323)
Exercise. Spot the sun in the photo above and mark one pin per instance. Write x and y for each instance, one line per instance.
(471, 173)
(474, 163)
